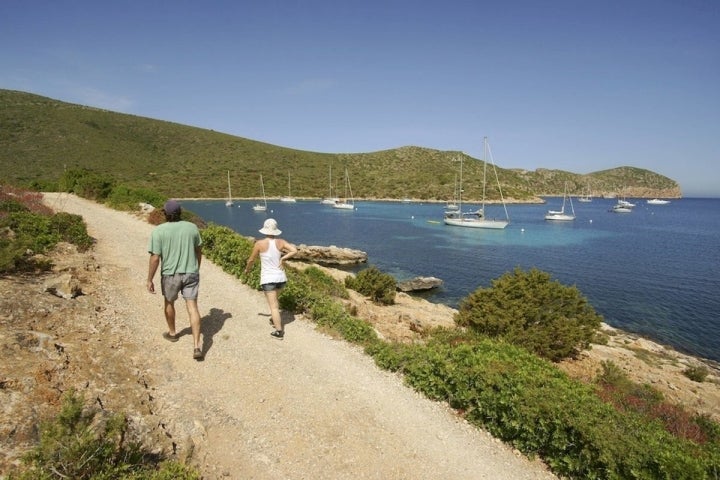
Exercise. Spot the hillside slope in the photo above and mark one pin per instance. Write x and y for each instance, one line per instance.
(40, 138)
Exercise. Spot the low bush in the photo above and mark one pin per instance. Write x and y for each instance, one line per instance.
(80, 443)
(86, 183)
(122, 197)
(230, 251)
(378, 286)
(697, 373)
(531, 310)
(72, 229)
(531, 404)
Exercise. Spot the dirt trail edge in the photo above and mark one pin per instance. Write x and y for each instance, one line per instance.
(306, 407)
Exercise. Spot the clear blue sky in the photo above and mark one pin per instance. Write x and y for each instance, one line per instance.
(568, 84)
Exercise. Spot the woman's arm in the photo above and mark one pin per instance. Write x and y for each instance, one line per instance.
(252, 257)
(288, 249)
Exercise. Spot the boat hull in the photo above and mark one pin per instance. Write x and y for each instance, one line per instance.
(344, 206)
(476, 223)
(559, 217)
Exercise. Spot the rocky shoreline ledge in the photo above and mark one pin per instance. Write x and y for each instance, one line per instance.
(643, 360)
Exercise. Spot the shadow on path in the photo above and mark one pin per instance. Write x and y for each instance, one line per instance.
(210, 325)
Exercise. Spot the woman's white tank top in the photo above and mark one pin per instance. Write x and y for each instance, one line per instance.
(270, 271)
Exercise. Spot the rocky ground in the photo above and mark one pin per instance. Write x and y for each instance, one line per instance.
(305, 407)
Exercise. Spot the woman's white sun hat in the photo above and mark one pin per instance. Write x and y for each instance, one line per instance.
(270, 227)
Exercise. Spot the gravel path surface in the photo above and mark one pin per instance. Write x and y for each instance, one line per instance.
(306, 407)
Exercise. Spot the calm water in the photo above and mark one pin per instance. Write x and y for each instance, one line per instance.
(653, 271)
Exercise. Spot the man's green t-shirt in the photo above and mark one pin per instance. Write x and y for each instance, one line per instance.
(175, 242)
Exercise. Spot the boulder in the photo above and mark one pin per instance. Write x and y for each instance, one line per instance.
(419, 283)
(331, 255)
(64, 285)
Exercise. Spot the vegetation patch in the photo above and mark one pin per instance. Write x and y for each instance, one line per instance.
(86, 443)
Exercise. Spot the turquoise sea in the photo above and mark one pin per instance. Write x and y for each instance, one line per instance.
(653, 271)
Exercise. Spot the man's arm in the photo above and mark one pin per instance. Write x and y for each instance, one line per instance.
(153, 265)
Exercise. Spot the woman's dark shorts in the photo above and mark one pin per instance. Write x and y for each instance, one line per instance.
(269, 287)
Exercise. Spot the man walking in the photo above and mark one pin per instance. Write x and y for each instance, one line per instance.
(177, 246)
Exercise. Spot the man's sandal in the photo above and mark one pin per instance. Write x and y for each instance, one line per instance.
(170, 338)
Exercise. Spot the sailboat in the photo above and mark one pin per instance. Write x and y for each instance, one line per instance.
(229, 201)
(586, 197)
(560, 215)
(289, 198)
(477, 218)
(347, 203)
(330, 200)
(261, 207)
(452, 205)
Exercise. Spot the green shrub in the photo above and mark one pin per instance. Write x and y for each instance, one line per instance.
(28, 227)
(10, 205)
(696, 373)
(530, 310)
(71, 228)
(531, 404)
(32, 230)
(230, 251)
(122, 197)
(86, 183)
(306, 287)
(378, 286)
(80, 443)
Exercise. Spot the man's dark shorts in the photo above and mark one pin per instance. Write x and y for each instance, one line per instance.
(269, 287)
(186, 283)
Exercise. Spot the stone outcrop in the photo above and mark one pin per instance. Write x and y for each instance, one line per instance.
(331, 255)
(64, 285)
(419, 284)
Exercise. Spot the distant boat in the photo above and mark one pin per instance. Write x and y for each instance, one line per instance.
(289, 198)
(625, 203)
(261, 207)
(452, 205)
(560, 215)
(348, 203)
(586, 197)
(477, 218)
(229, 202)
(657, 201)
(330, 200)
(620, 208)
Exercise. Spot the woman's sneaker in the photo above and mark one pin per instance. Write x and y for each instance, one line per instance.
(279, 334)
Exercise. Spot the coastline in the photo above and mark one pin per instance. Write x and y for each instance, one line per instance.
(643, 360)
(537, 200)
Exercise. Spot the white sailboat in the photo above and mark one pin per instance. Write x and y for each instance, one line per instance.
(586, 197)
(229, 201)
(477, 218)
(261, 207)
(560, 215)
(452, 205)
(289, 198)
(348, 203)
(331, 199)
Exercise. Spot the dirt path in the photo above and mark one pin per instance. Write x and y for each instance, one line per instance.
(307, 407)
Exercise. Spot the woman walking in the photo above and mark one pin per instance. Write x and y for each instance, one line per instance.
(273, 252)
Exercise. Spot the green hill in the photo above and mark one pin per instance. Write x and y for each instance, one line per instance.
(41, 137)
